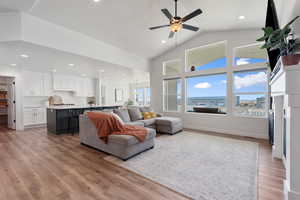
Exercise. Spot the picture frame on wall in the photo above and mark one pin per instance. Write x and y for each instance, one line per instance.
(118, 94)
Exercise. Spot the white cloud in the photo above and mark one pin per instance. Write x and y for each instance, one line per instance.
(250, 80)
(224, 81)
(203, 85)
(243, 61)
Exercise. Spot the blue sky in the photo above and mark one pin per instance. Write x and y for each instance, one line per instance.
(215, 85)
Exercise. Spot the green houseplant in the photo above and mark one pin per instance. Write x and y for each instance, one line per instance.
(283, 40)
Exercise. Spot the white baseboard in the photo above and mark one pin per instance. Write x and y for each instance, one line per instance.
(35, 126)
(288, 194)
(230, 132)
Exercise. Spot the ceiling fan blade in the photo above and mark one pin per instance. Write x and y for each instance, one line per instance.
(157, 27)
(171, 35)
(192, 15)
(189, 27)
(167, 13)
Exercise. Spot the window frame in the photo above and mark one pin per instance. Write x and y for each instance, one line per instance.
(229, 70)
(164, 95)
(266, 93)
(205, 74)
(247, 65)
(201, 47)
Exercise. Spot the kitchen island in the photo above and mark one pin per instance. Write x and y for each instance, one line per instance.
(65, 119)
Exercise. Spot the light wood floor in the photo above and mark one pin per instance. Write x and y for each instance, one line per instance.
(38, 165)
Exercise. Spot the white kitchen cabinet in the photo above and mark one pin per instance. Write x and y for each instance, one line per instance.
(37, 84)
(64, 82)
(86, 87)
(33, 83)
(34, 116)
(48, 86)
(90, 87)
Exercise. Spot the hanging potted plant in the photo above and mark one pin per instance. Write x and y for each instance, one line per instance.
(282, 39)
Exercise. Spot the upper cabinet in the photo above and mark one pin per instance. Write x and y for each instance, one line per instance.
(45, 84)
(86, 87)
(64, 82)
(36, 84)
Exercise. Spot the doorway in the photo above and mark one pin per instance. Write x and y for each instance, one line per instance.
(7, 102)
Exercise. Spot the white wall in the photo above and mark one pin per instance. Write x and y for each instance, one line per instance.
(10, 24)
(252, 127)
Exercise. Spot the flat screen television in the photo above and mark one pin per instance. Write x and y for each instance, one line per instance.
(272, 21)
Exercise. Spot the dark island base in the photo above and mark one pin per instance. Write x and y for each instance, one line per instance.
(60, 121)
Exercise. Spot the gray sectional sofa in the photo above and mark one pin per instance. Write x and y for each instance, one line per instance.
(121, 146)
(126, 146)
(133, 116)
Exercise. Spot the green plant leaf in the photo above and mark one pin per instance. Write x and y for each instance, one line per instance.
(268, 30)
(291, 22)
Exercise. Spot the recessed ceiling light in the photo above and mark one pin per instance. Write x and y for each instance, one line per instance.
(83, 74)
(242, 17)
(54, 70)
(72, 65)
(163, 41)
(96, 0)
(24, 56)
(13, 65)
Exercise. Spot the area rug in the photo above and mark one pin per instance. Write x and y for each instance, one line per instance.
(200, 166)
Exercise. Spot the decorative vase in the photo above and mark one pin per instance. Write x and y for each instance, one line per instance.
(291, 59)
(193, 68)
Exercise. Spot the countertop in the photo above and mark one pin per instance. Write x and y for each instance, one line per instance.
(80, 106)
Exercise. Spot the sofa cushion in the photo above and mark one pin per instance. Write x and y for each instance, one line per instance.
(168, 121)
(128, 140)
(135, 114)
(123, 114)
(146, 109)
(148, 122)
(136, 123)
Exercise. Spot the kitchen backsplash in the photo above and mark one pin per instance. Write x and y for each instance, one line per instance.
(68, 98)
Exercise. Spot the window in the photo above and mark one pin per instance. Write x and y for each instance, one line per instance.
(172, 95)
(207, 94)
(148, 96)
(206, 57)
(142, 96)
(139, 96)
(172, 67)
(252, 54)
(250, 92)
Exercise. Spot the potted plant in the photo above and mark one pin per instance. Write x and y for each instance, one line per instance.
(284, 40)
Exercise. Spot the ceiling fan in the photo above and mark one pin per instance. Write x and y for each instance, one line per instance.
(176, 22)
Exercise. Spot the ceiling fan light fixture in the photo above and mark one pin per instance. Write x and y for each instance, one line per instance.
(175, 27)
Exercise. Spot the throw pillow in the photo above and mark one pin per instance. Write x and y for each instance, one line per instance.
(123, 114)
(153, 114)
(135, 114)
(149, 115)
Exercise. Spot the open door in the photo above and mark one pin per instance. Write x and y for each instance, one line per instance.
(11, 103)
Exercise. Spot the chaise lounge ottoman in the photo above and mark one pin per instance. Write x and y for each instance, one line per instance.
(169, 125)
(121, 146)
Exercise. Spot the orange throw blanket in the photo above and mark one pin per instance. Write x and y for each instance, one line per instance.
(107, 124)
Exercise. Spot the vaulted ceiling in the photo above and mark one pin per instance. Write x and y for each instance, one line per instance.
(125, 23)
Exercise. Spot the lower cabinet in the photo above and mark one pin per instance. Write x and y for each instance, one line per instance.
(34, 116)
